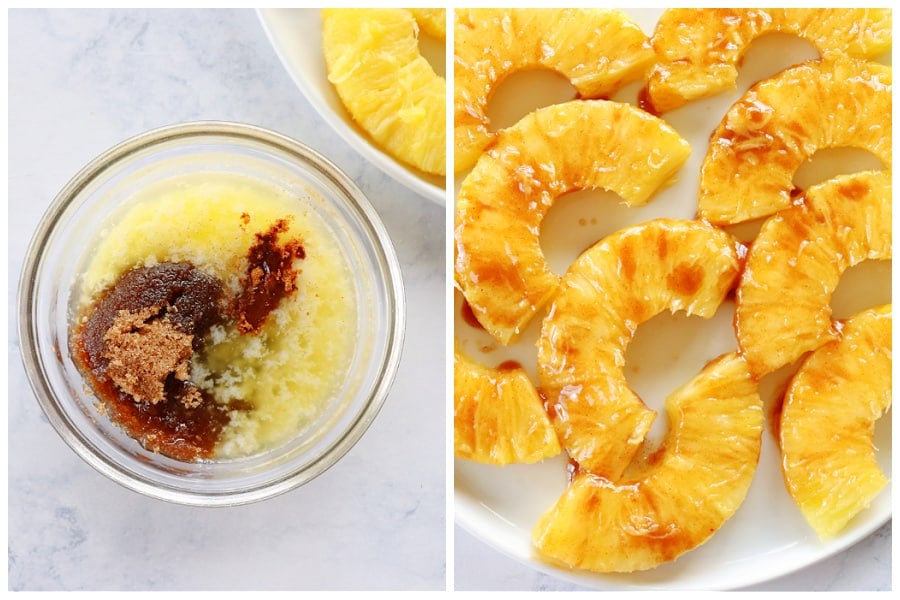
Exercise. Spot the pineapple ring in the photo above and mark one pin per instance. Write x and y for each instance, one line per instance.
(797, 260)
(780, 123)
(598, 50)
(387, 86)
(498, 417)
(699, 50)
(614, 286)
(680, 496)
(499, 265)
(827, 423)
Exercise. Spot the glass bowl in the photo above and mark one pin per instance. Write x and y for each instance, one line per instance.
(63, 242)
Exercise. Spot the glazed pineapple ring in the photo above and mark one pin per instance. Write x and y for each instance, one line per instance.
(389, 89)
(598, 50)
(699, 50)
(828, 419)
(778, 125)
(498, 417)
(499, 265)
(614, 286)
(677, 500)
(796, 261)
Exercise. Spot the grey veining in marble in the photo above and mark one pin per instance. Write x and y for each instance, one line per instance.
(81, 81)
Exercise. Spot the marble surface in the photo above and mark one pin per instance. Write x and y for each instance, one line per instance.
(82, 81)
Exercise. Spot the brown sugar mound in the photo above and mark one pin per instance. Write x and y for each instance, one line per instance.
(144, 351)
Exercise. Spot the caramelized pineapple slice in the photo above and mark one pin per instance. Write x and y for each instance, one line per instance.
(677, 499)
(698, 50)
(780, 123)
(796, 261)
(614, 286)
(499, 265)
(827, 423)
(389, 89)
(498, 417)
(598, 50)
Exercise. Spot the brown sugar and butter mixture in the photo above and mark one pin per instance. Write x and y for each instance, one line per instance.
(137, 341)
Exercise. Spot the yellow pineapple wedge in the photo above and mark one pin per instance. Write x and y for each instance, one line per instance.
(598, 50)
(827, 423)
(699, 50)
(780, 123)
(498, 417)
(678, 498)
(795, 264)
(389, 89)
(432, 21)
(499, 265)
(614, 286)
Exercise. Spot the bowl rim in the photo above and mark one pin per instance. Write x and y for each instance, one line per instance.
(350, 194)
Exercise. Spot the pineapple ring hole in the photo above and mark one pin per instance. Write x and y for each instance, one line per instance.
(860, 287)
(666, 352)
(577, 220)
(433, 50)
(769, 54)
(827, 163)
(525, 91)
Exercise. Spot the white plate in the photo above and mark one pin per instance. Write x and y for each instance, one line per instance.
(296, 35)
(767, 537)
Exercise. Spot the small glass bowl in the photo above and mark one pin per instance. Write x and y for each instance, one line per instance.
(66, 234)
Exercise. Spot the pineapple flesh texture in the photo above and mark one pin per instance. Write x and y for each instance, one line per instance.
(499, 265)
(780, 123)
(498, 417)
(432, 21)
(597, 50)
(827, 423)
(795, 264)
(389, 89)
(699, 50)
(675, 500)
(613, 287)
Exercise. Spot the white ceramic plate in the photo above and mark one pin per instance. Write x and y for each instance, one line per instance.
(767, 537)
(296, 35)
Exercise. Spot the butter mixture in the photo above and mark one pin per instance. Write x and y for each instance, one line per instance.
(215, 318)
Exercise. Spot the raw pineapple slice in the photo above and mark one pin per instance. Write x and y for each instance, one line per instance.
(390, 90)
(614, 286)
(780, 123)
(498, 417)
(827, 423)
(499, 265)
(598, 50)
(796, 261)
(432, 21)
(678, 498)
(699, 50)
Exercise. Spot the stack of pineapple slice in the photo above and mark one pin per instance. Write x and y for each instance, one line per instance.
(388, 87)
(625, 510)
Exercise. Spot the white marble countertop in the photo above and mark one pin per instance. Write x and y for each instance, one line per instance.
(82, 81)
